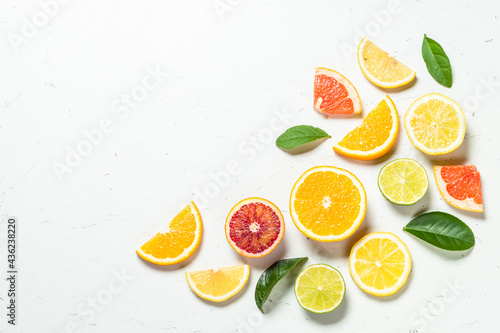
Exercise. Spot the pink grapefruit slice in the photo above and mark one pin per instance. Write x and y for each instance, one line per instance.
(334, 93)
(254, 227)
(460, 186)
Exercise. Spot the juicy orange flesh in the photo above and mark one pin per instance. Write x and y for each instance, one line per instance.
(379, 263)
(335, 98)
(327, 203)
(462, 182)
(435, 124)
(254, 227)
(218, 282)
(373, 132)
(381, 65)
(180, 235)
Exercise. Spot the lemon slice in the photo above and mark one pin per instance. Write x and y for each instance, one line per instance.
(435, 124)
(403, 181)
(218, 284)
(319, 288)
(380, 263)
(380, 68)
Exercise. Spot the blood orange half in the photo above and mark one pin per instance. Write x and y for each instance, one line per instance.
(254, 227)
(334, 93)
(460, 186)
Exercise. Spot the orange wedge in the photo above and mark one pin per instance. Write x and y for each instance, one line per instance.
(375, 136)
(218, 284)
(178, 241)
(327, 203)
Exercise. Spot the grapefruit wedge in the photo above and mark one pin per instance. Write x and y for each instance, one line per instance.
(334, 93)
(460, 186)
(254, 227)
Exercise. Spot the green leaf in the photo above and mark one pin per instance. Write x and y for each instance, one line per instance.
(442, 230)
(437, 61)
(271, 276)
(298, 135)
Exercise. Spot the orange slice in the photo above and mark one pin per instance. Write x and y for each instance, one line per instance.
(334, 93)
(380, 263)
(178, 241)
(254, 227)
(218, 284)
(375, 136)
(380, 68)
(327, 203)
(460, 186)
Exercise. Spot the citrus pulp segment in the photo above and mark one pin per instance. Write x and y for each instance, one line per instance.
(319, 288)
(254, 227)
(380, 68)
(327, 203)
(334, 93)
(435, 124)
(403, 181)
(460, 186)
(178, 241)
(380, 263)
(218, 284)
(375, 136)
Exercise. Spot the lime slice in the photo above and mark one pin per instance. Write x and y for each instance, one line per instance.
(319, 288)
(403, 181)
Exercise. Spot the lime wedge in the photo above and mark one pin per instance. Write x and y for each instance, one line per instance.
(319, 288)
(403, 181)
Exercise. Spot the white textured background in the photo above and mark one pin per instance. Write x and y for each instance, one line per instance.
(228, 69)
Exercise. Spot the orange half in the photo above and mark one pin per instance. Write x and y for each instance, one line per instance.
(327, 203)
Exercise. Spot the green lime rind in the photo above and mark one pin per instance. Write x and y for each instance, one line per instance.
(390, 187)
(331, 294)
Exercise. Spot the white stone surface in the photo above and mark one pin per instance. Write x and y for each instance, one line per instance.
(227, 72)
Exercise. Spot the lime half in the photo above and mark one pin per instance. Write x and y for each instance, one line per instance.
(319, 288)
(403, 181)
